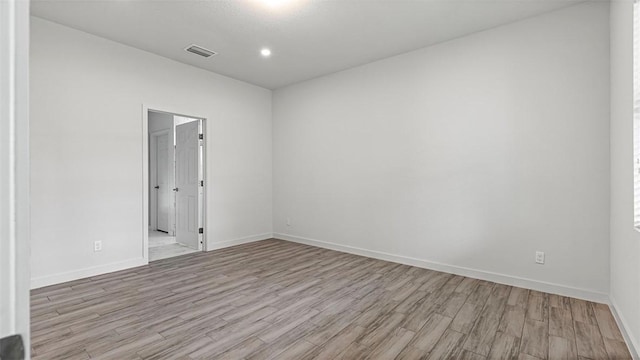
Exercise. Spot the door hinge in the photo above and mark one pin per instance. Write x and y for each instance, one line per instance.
(201, 136)
(200, 231)
(201, 182)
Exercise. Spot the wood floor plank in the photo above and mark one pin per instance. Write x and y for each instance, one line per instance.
(484, 330)
(482, 335)
(518, 297)
(467, 285)
(505, 347)
(242, 349)
(512, 320)
(323, 333)
(415, 320)
(296, 350)
(617, 349)
(337, 344)
(355, 351)
(606, 322)
(524, 356)
(538, 306)
(285, 341)
(561, 323)
(379, 330)
(468, 355)
(452, 305)
(448, 347)
(389, 348)
(430, 333)
(562, 348)
(466, 317)
(274, 331)
(411, 353)
(589, 341)
(559, 301)
(481, 293)
(176, 348)
(582, 311)
(535, 338)
(276, 300)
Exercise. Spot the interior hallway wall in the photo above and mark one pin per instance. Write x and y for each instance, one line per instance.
(86, 150)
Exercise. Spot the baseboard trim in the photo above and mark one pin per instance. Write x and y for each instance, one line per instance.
(633, 346)
(127, 264)
(458, 270)
(245, 240)
(43, 281)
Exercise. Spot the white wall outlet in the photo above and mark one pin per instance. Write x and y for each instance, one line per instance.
(539, 257)
(288, 221)
(97, 245)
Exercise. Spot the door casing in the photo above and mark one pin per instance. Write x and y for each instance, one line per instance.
(204, 238)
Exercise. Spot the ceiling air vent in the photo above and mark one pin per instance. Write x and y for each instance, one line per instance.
(199, 50)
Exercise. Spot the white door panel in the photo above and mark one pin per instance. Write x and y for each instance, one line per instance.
(187, 183)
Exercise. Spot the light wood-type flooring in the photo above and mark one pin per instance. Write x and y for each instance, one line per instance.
(279, 300)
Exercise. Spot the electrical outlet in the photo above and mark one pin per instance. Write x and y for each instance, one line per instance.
(288, 221)
(539, 257)
(97, 245)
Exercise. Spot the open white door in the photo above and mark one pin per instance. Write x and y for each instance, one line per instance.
(163, 186)
(14, 179)
(187, 183)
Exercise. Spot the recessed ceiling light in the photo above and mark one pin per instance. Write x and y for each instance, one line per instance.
(265, 52)
(275, 3)
(279, 5)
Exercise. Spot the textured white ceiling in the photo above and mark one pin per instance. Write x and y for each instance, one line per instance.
(308, 38)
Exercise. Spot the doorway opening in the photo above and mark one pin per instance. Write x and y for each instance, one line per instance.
(176, 184)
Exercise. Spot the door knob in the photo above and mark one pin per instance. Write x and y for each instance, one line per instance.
(157, 187)
(176, 189)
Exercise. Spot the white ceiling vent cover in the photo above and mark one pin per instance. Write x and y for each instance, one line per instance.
(199, 50)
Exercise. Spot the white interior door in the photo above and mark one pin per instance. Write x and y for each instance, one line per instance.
(187, 183)
(163, 186)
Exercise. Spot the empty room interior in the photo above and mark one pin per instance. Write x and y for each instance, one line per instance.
(309, 179)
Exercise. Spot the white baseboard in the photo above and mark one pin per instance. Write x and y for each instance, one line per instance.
(458, 270)
(227, 243)
(127, 264)
(633, 346)
(86, 272)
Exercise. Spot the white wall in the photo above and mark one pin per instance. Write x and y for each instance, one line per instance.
(625, 240)
(87, 95)
(467, 156)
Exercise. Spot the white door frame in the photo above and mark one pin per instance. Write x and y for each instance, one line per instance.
(145, 174)
(153, 200)
(14, 175)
